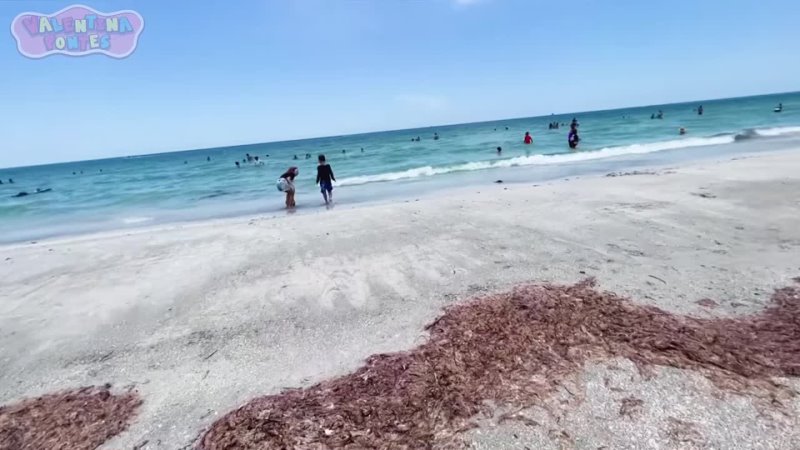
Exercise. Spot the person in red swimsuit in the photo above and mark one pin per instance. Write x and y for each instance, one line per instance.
(528, 138)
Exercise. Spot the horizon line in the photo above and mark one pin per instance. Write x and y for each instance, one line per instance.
(391, 130)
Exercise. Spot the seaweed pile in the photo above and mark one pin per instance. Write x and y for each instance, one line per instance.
(509, 350)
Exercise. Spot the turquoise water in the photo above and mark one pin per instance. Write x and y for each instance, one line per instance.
(145, 190)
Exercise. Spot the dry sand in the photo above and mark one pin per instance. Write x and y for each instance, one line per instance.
(201, 318)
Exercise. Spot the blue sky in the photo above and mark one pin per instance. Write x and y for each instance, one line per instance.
(262, 70)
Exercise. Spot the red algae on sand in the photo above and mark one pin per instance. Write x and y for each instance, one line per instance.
(80, 419)
(509, 350)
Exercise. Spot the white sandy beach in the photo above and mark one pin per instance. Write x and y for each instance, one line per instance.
(201, 318)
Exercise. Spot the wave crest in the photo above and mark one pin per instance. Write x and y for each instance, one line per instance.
(533, 160)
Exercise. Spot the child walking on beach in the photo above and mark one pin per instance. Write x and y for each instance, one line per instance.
(286, 184)
(324, 179)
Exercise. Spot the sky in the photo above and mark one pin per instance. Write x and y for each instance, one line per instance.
(215, 73)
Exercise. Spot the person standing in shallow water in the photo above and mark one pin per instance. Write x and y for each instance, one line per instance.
(325, 179)
(286, 185)
(572, 137)
(528, 139)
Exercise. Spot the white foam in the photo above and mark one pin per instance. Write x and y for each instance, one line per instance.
(134, 220)
(533, 160)
(777, 131)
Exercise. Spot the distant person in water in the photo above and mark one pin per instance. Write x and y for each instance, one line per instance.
(499, 150)
(11, 180)
(528, 139)
(700, 110)
(362, 149)
(325, 179)
(435, 136)
(779, 108)
(295, 156)
(652, 116)
(572, 138)
(249, 158)
(574, 123)
(682, 131)
(660, 114)
(208, 158)
(238, 166)
(286, 185)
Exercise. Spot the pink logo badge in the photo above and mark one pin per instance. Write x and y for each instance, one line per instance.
(77, 31)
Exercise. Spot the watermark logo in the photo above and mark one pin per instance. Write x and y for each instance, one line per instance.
(77, 31)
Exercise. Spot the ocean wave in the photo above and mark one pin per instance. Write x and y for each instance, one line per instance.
(135, 220)
(755, 133)
(777, 131)
(533, 160)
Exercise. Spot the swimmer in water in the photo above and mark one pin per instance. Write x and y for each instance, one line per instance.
(700, 110)
(528, 139)
(682, 131)
(499, 150)
(573, 138)
(435, 136)
(295, 156)
(238, 166)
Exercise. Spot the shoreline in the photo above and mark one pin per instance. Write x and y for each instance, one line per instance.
(519, 176)
(200, 319)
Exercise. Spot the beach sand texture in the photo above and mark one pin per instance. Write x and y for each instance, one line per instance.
(203, 318)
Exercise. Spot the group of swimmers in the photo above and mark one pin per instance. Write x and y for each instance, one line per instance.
(417, 139)
(572, 137)
(10, 181)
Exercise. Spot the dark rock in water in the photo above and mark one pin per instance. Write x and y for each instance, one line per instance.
(499, 181)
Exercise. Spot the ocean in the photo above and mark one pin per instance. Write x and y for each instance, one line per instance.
(135, 191)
